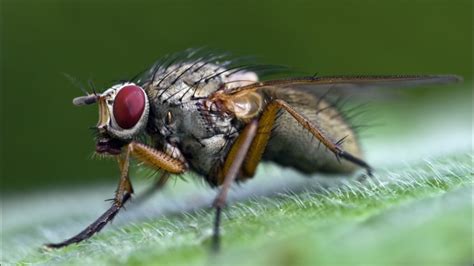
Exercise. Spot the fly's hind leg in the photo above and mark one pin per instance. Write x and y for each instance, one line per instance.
(314, 130)
(148, 155)
(265, 125)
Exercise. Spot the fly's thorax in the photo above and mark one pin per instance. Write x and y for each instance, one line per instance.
(179, 83)
(181, 92)
(192, 134)
(199, 135)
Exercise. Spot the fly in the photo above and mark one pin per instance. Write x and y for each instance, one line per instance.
(206, 115)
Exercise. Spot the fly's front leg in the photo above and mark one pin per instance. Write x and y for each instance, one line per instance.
(156, 159)
(122, 195)
(231, 169)
(148, 155)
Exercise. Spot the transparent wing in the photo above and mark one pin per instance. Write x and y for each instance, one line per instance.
(347, 84)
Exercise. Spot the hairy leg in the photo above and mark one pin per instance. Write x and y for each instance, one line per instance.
(148, 155)
(231, 169)
(122, 195)
(313, 129)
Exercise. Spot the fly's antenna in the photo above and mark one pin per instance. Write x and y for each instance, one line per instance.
(92, 86)
(75, 82)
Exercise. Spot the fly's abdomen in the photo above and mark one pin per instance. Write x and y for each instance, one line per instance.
(293, 146)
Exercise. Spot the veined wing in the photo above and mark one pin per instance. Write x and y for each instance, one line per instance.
(353, 82)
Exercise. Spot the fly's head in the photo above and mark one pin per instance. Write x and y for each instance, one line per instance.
(123, 115)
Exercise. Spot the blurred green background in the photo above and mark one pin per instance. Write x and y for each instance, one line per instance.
(45, 141)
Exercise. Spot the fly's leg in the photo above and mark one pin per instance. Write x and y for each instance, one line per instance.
(265, 125)
(246, 153)
(156, 159)
(148, 155)
(122, 195)
(334, 147)
(154, 188)
(231, 169)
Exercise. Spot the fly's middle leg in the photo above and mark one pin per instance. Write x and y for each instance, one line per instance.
(231, 169)
(157, 186)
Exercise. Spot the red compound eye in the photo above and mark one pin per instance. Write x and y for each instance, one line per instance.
(129, 105)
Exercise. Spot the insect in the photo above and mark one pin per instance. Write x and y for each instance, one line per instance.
(208, 115)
